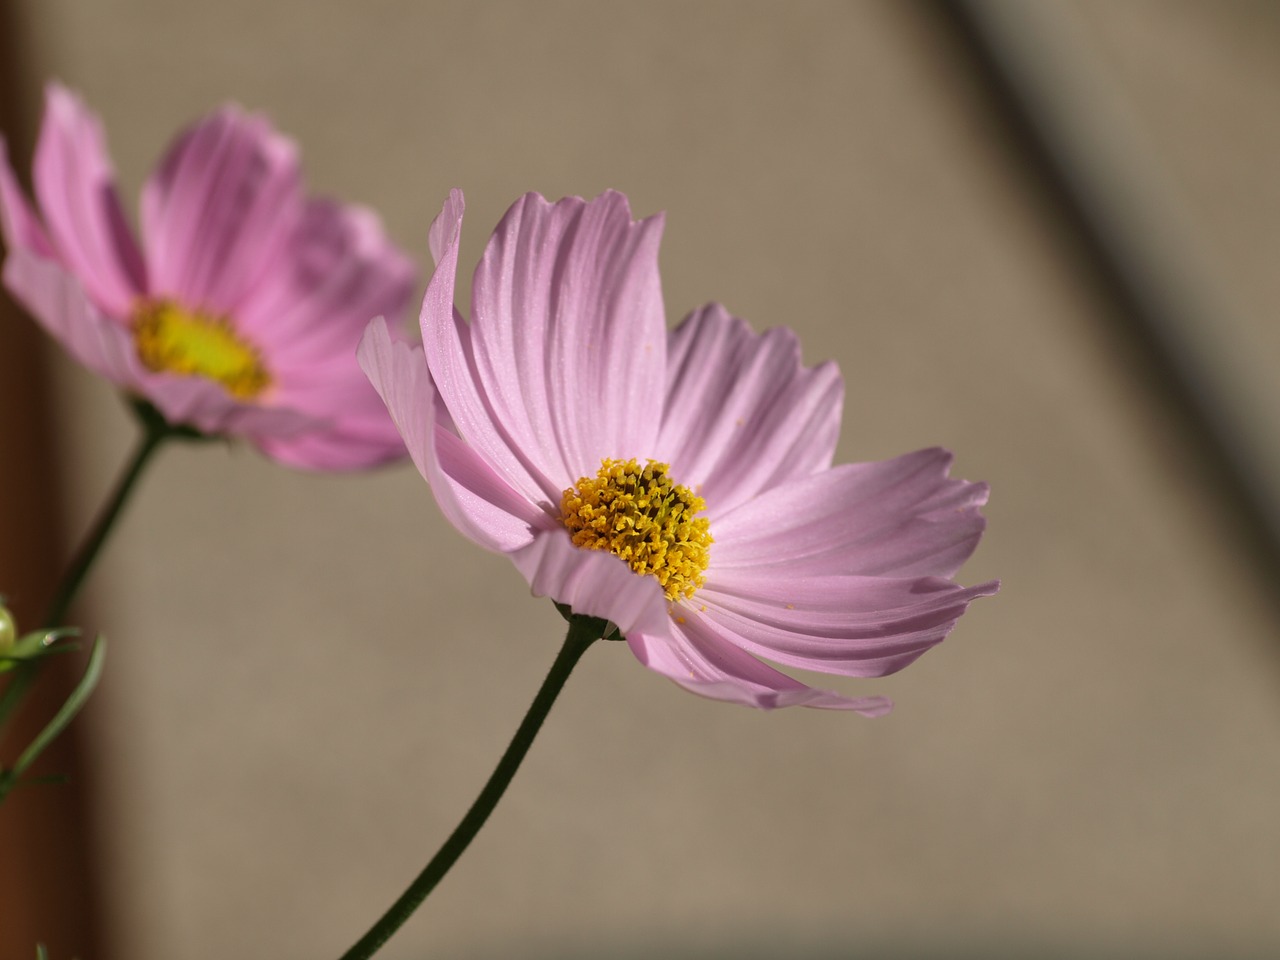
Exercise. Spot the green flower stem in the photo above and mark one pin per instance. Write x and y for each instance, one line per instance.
(154, 432)
(583, 631)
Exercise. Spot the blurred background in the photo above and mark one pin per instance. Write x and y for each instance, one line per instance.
(1043, 235)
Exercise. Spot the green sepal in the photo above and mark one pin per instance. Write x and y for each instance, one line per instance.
(37, 644)
(153, 422)
(608, 630)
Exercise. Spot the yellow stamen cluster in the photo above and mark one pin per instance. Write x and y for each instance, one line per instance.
(638, 514)
(170, 339)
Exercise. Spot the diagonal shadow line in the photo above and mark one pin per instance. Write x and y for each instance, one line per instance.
(1113, 261)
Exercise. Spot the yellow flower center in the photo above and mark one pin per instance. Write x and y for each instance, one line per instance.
(171, 339)
(638, 514)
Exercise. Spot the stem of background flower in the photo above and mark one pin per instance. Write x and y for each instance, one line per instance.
(583, 631)
(154, 432)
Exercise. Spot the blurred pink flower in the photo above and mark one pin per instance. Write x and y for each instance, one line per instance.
(241, 311)
(678, 484)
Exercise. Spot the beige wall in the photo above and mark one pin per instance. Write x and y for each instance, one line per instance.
(311, 676)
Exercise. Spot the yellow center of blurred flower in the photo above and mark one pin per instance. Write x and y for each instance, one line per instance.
(638, 514)
(173, 340)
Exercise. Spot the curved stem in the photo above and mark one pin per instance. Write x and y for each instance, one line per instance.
(583, 631)
(154, 433)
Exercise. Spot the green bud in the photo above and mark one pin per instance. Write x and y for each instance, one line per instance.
(8, 630)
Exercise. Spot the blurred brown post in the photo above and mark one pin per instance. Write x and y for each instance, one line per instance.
(46, 890)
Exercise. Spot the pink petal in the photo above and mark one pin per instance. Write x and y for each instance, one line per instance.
(742, 415)
(75, 187)
(336, 448)
(568, 332)
(336, 272)
(205, 405)
(357, 432)
(697, 658)
(218, 211)
(901, 518)
(479, 503)
(353, 429)
(855, 626)
(306, 314)
(594, 583)
(59, 303)
(397, 372)
(446, 339)
(20, 226)
(442, 235)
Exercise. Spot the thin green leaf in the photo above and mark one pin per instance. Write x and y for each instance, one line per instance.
(66, 713)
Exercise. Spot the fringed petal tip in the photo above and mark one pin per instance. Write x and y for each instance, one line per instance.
(742, 413)
(611, 203)
(851, 626)
(568, 338)
(895, 518)
(446, 228)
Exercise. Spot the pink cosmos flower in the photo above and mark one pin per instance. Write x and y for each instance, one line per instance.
(240, 312)
(678, 484)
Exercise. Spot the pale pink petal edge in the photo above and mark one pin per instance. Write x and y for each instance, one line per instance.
(479, 503)
(701, 662)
